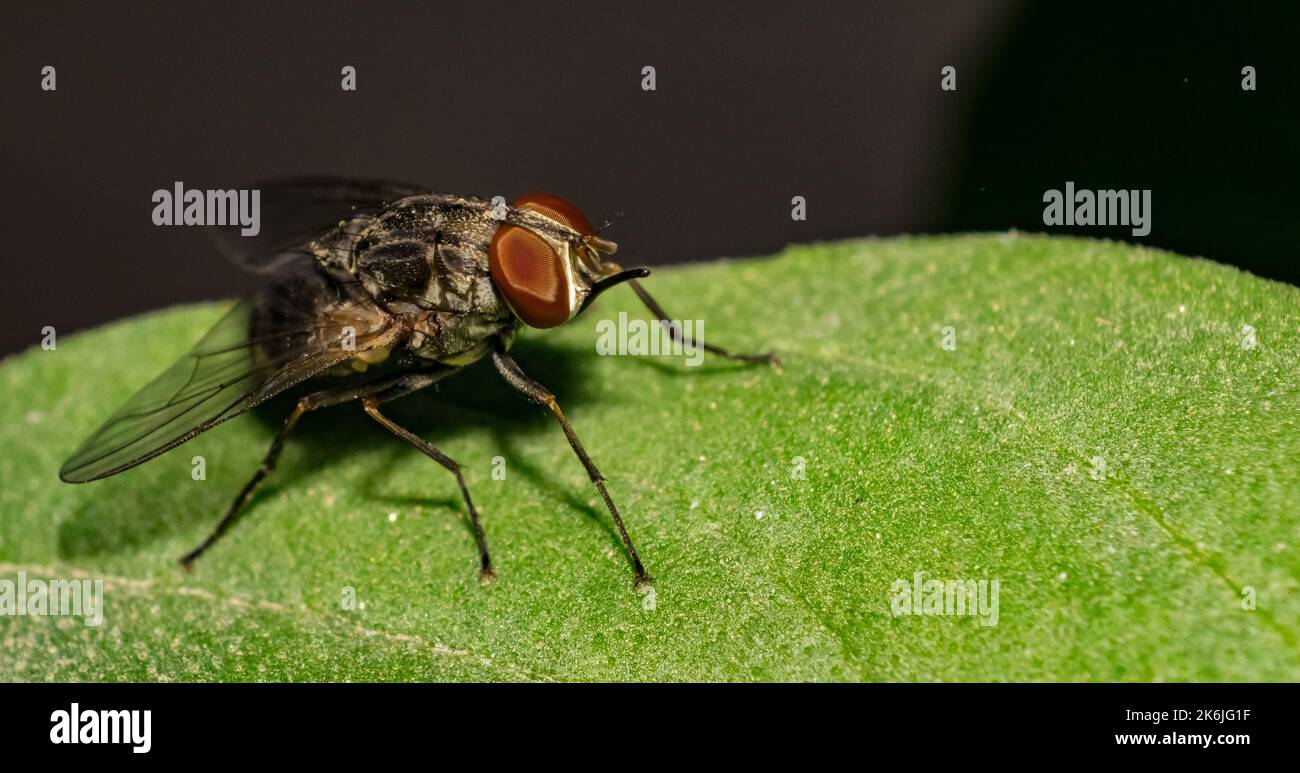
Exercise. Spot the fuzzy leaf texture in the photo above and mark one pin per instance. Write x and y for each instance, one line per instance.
(1101, 438)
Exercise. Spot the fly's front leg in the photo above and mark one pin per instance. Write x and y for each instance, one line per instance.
(405, 383)
(534, 391)
(676, 333)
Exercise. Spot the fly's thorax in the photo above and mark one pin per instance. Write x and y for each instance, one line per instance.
(427, 250)
(425, 260)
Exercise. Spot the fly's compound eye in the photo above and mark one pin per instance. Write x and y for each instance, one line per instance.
(532, 277)
(557, 209)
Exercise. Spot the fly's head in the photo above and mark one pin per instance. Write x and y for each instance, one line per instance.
(549, 263)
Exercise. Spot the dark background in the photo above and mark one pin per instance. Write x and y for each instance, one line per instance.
(756, 103)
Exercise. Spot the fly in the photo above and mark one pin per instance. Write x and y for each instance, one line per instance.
(375, 290)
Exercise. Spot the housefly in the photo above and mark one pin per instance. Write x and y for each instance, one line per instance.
(375, 290)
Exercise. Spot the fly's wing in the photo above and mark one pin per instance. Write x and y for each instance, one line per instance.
(294, 211)
(290, 330)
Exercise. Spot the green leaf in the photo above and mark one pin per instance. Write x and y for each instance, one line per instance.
(1103, 441)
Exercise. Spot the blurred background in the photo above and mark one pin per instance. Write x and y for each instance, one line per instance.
(755, 103)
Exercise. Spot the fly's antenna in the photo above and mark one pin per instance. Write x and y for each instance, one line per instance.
(611, 220)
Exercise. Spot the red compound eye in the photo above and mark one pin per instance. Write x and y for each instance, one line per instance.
(531, 276)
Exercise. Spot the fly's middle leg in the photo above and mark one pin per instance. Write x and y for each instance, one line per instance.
(371, 406)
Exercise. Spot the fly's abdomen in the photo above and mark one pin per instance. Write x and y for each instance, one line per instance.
(432, 252)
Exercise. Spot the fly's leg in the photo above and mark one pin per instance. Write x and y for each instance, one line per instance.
(534, 391)
(397, 386)
(371, 406)
(676, 333)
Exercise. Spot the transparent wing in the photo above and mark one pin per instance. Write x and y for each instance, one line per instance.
(294, 211)
(290, 330)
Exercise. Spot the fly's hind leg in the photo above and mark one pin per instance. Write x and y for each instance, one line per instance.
(393, 387)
